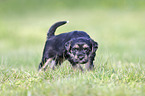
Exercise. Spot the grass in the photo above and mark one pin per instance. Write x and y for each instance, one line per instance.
(119, 64)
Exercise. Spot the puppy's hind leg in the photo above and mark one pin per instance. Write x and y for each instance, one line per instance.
(44, 66)
(53, 64)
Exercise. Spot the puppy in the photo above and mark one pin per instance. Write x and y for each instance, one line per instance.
(77, 47)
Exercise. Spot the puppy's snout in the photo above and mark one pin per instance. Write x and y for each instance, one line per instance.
(80, 57)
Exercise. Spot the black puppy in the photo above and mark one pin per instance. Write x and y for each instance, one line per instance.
(76, 46)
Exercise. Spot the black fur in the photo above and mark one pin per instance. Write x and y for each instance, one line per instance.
(57, 47)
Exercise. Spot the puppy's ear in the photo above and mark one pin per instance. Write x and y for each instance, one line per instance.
(94, 45)
(67, 45)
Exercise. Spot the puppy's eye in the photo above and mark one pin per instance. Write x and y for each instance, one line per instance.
(86, 49)
(75, 49)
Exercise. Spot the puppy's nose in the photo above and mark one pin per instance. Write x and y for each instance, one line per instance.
(81, 57)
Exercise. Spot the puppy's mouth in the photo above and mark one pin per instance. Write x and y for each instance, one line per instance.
(83, 61)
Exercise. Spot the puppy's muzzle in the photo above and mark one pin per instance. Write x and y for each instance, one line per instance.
(81, 56)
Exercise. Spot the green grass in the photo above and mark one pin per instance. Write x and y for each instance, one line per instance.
(119, 64)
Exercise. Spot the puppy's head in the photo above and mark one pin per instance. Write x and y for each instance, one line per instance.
(80, 49)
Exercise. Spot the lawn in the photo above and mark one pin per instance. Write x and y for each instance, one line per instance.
(119, 63)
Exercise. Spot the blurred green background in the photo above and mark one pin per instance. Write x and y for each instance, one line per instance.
(117, 25)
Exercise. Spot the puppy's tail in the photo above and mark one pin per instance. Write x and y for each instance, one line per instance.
(52, 29)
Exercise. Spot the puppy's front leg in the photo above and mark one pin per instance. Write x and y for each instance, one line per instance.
(75, 66)
(89, 66)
